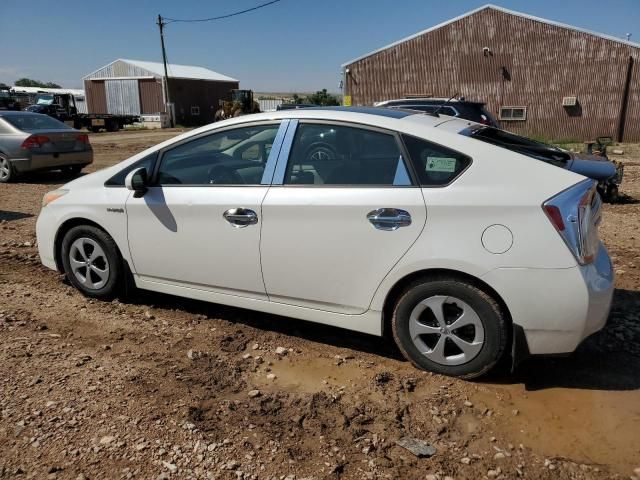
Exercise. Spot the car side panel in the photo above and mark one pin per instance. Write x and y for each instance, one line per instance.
(102, 206)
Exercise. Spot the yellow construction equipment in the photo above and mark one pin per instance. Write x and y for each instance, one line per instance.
(241, 103)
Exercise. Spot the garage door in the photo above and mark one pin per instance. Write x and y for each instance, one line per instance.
(123, 97)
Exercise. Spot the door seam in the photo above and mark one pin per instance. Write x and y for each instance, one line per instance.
(264, 284)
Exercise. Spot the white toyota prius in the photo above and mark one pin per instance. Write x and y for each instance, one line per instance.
(466, 244)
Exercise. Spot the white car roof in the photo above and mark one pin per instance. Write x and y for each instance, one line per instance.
(382, 117)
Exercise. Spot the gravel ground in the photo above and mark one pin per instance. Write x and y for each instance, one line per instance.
(163, 387)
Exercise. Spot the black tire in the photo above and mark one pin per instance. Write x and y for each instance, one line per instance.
(321, 151)
(93, 129)
(7, 174)
(613, 195)
(73, 170)
(495, 329)
(111, 287)
(113, 126)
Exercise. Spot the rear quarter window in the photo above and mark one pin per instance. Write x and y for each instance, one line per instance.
(435, 165)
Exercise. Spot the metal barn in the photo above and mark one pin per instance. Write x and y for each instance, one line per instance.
(134, 87)
(538, 77)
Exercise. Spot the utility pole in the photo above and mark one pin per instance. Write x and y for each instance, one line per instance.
(161, 25)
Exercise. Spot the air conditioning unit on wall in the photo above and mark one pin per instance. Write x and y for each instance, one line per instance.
(569, 101)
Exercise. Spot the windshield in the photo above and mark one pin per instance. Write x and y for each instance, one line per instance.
(516, 143)
(34, 122)
(45, 100)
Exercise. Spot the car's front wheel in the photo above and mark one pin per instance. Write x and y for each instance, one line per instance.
(449, 326)
(92, 262)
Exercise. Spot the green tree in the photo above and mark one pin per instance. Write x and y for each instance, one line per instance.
(322, 98)
(28, 82)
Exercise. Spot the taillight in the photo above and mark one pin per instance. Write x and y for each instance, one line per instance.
(575, 214)
(83, 138)
(588, 223)
(555, 216)
(35, 141)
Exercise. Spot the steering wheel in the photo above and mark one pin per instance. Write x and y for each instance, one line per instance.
(221, 175)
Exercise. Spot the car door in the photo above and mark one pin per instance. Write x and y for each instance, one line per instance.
(342, 211)
(198, 225)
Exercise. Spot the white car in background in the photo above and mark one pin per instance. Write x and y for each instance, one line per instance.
(373, 220)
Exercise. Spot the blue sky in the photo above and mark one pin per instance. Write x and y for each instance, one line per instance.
(293, 45)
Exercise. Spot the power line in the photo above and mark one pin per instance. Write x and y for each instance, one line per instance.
(173, 20)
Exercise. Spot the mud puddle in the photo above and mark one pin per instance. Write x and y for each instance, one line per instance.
(595, 427)
(315, 374)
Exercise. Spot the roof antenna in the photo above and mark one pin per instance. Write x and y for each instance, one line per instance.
(435, 113)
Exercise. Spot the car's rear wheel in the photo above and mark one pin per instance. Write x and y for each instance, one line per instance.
(92, 262)
(6, 172)
(449, 326)
(72, 169)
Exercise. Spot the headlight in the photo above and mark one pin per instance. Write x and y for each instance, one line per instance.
(52, 196)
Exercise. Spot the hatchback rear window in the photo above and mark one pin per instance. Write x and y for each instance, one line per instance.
(34, 122)
(516, 143)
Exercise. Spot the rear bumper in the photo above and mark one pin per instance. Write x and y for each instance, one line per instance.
(599, 280)
(557, 308)
(45, 161)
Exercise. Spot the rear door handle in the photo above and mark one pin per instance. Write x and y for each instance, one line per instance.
(389, 219)
(240, 217)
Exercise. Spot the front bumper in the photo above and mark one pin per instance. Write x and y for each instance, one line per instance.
(45, 233)
(557, 308)
(46, 161)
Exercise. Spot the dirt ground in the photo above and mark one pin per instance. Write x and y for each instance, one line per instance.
(162, 387)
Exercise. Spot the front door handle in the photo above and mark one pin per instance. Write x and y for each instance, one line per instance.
(389, 219)
(240, 217)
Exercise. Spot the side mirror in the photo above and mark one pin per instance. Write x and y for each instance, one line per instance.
(137, 181)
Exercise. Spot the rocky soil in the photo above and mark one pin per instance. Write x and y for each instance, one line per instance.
(159, 387)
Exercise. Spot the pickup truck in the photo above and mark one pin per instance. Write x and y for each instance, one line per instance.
(62, 106)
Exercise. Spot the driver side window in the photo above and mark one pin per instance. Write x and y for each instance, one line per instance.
(231, 157)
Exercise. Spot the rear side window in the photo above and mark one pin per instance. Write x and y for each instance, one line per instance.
(435, 165)
(118, 179)
(443, 109)
(325, 154)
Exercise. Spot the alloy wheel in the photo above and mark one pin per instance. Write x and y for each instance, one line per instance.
(89, 263)
(4, 169)
(446, 330)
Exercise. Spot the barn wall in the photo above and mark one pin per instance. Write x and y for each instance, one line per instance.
(205, 94)
(151, 101)
(543, 64)
(96, 96)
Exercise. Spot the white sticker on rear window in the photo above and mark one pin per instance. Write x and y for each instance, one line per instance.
(441, 164)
